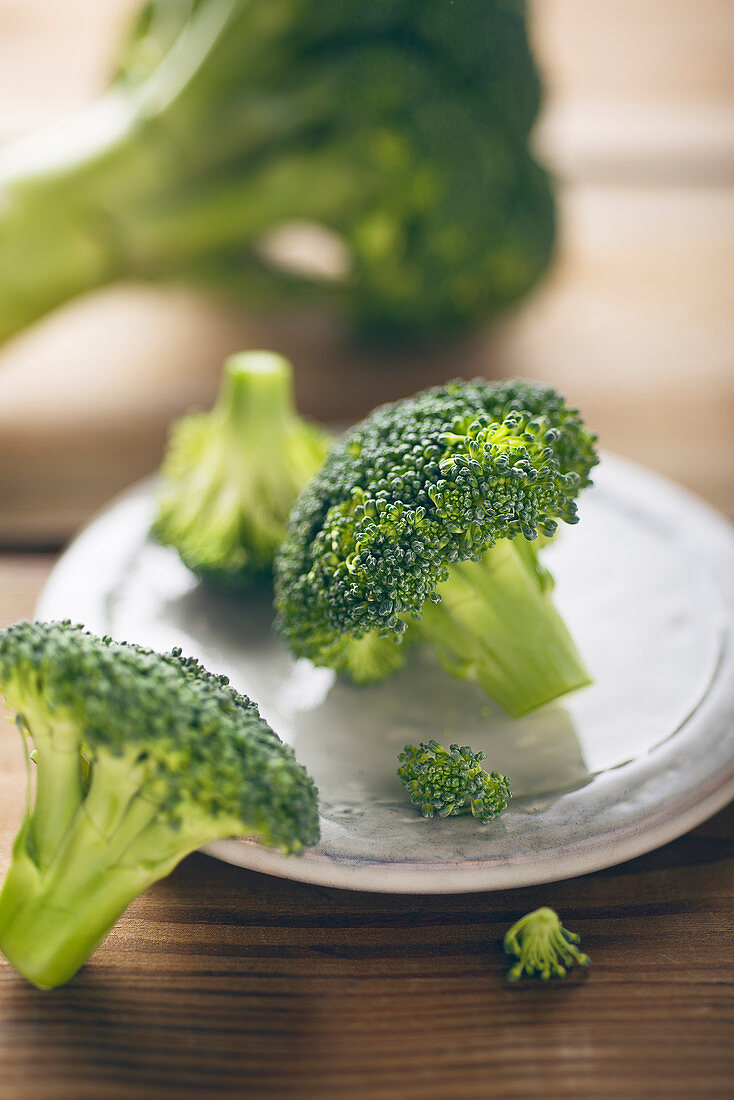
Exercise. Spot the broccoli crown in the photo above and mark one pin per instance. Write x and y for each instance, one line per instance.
(402, 127)
(198, 750)
(544, 948)
(417, 158)
(421, 484)
(446, 782)
(230, 476)
(140, 758)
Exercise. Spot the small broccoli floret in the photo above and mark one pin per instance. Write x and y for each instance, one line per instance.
(424, 521)
(232, 474)
(544, 948)
(447, 782)
(140, 759)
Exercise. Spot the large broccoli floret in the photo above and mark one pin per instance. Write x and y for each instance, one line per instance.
(140, 759)
(231, 475)
(424, 519)
(401, 127)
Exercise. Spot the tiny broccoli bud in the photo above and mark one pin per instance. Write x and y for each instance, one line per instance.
(544, 948)
(447, 782)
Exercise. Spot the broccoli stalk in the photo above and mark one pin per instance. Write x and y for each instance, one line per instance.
(55, 910)
(141, 758)
(497, 625)
(494, 623)
(231, 475)
(423, 526)
(400, 128)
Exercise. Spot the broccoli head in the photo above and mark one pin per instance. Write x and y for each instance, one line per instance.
(231, 475)
(424, 519)
(140, 759)
(401, 128)
(544, 948)
(448, 782)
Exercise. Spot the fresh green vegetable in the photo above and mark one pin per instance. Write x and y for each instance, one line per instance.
(400, 127)
(231, 475)
(544, 948)
(140, 759)
(447, 782)
(424, 520)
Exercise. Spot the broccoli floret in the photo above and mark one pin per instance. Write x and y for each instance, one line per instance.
(544, 948)
(399, 128)
(424, 520)
(448, 782)
(231, 475)
(140, 759)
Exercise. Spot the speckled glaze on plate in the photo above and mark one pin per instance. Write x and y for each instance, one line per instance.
(646, 584)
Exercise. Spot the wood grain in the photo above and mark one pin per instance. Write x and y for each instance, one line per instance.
(221, 982)
(635, 321)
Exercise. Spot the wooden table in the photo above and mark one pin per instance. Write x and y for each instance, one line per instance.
(634, 322)
(221, 982)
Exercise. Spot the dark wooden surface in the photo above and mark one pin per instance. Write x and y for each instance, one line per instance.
(221, 982)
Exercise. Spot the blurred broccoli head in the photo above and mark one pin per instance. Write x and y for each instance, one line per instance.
(140, 759)
(231, 475)
(426, 513)
(401, 128)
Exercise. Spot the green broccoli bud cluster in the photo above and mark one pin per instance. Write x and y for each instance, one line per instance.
(442, 492)
(399, 128)
(448, 782)
(230, 476)
(140, 758)
(544, 948)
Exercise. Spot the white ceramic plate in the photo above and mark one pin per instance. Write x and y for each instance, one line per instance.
(646, 584)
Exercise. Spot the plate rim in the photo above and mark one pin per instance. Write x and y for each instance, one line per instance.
(468, 876)
(616, 845)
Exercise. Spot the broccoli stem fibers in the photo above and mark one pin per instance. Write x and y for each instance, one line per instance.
(497, 625)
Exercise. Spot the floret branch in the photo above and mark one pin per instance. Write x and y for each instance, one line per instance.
(142, 758)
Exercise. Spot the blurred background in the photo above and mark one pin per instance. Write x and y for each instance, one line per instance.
(634, 319)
